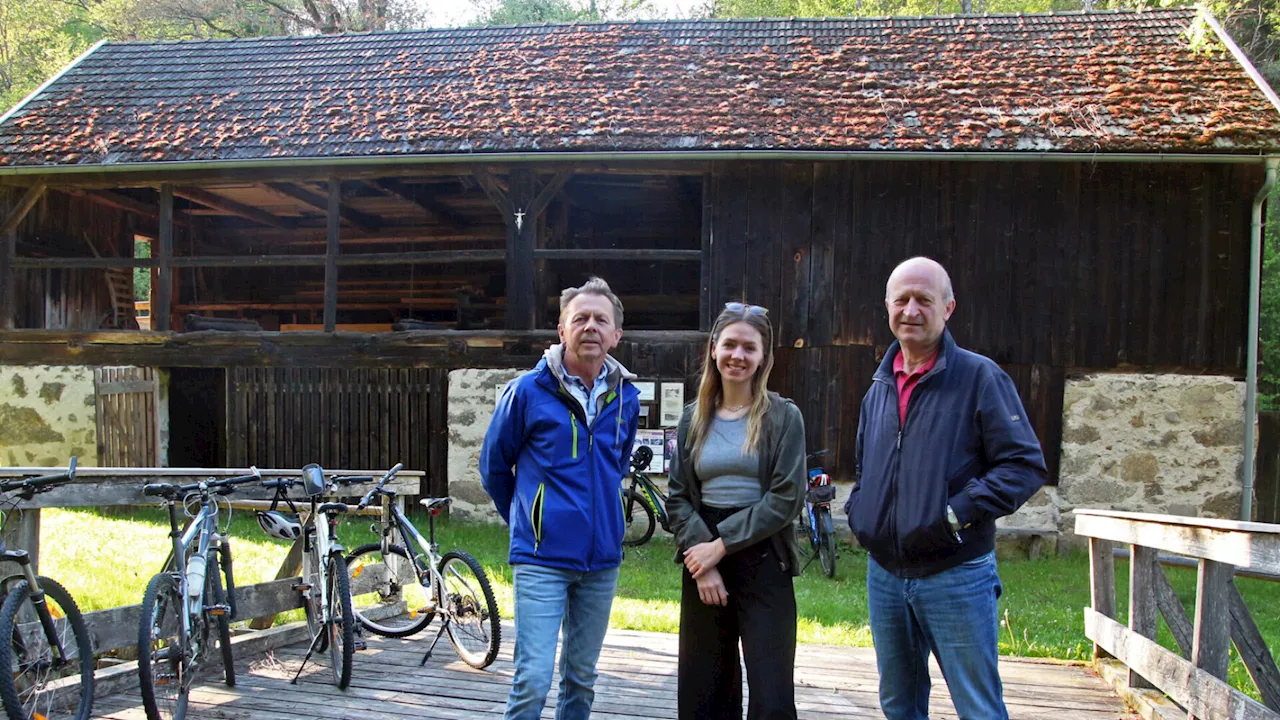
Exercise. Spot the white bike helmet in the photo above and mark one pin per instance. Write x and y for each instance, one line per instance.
(285, 526)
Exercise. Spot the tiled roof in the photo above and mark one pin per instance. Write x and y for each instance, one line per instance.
(1095, 82)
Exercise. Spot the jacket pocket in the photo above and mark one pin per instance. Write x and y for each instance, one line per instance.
(926, 532)
(535, 515)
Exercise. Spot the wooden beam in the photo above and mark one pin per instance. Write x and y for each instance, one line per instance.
(126, 203)
(361, 221)
(548, 192)
(1196, 690)
(251, 261)
(1175, 616)
(522, 227)
(638, 254)
(1102, 582)
(1144, 616)
(217, 202)
(436, 210)
(162, 293)
(8, 248)
(25, 203)
(331, 256)
(1254, 652)
(1250, 545)
(1211, 650)
(425, 348)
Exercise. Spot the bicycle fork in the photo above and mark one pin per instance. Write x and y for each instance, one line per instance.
(39, 601)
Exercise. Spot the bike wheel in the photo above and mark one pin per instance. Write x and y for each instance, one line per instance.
(639, 518)
(39, 681)
(163, 654)
(474, 625)
(219, 597)
(342, 623)
(826, 541)
(804, 534)
(387, 597)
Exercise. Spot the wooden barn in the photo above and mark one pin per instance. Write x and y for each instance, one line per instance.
(359, 215)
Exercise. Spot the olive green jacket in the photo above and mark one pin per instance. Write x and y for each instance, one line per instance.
(782, 480)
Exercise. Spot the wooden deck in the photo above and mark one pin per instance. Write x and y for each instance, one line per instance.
(637, 682)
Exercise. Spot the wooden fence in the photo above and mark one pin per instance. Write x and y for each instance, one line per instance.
(1267, 479)
(117, 628)
(1195, 678)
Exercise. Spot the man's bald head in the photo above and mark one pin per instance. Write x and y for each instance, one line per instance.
(927, 266)
(919, 299)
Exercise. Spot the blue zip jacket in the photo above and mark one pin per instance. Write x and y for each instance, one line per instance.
(966, 442)
(555, 481)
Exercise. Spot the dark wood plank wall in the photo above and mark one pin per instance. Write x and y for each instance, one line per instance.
(366, 419)
(64, 226)
(1057, 267)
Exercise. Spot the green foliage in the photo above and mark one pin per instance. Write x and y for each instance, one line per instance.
(142, 276)
(1269, 317)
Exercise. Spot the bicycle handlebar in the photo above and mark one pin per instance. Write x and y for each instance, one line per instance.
(224, 486)
(289, 482)
(30, 486)
(377, 490)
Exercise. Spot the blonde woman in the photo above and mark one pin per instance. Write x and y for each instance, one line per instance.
(737, 485)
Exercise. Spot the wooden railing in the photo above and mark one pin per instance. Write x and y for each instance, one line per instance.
(117, 628)
(1196, 677)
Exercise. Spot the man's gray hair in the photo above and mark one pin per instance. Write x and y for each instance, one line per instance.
(593, 286)
(947, 293)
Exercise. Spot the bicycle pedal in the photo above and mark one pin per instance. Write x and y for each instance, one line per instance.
(218, 610)
(428, 608)
(359, 645)
(302, 587)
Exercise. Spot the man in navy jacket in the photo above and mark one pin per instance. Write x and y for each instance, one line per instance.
(553, 461)
(944, 448)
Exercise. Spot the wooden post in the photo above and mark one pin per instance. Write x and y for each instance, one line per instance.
(521, 238)
(23, 533)
(291, 566)
(1102, 583)
(1211, 647)
(162, 293)
(331, 256)
(1144, 618)
(706, 316)
(8, 276)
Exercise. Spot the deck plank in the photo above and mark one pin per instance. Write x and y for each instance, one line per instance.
(637, 682)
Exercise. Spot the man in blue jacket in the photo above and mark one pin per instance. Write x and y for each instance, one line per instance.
(553, 461)
(944, 448)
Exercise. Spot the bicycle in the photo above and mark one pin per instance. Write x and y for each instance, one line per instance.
(185, 609)
(647, 498)
(813, 526)
(324, 584)
(49, 644)
(399, 588)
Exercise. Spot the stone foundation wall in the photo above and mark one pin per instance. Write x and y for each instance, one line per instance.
(1146, 443)
(472, 395)
(47, 414)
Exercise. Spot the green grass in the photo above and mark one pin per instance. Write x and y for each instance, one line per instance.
(1041, 610)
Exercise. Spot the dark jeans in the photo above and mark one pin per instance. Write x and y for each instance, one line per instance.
(762, 613)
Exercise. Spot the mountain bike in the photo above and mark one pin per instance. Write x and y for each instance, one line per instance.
(49, 648)
(813, 526)
(185, 609)
(401, 583)
(644, 506)
(324, 584)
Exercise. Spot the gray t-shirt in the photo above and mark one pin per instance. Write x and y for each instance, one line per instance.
(729, 477)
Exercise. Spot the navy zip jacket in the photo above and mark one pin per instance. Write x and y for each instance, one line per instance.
(966, 442)
(556, 480)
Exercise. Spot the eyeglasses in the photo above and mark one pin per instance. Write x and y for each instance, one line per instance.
(745, 308)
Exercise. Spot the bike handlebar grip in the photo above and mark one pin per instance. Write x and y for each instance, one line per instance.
(277, 483)
(156, 488)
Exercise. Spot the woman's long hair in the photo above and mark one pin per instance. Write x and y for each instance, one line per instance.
(710, 390)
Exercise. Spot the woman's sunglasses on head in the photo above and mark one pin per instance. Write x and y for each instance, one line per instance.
(745, 308)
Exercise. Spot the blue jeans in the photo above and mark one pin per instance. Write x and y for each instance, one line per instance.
(951, 614)
(545, 599)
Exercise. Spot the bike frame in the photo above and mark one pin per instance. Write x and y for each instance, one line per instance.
(203, 532)
(653, 497)
(415, 545)
(325, 545)
(817, 478)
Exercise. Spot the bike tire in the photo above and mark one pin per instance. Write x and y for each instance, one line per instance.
(826, 541)
(475, 627)
(223, 621)
(342, 623)
(639, 525)
(162, 610)
(374, 585)
(27, 697)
